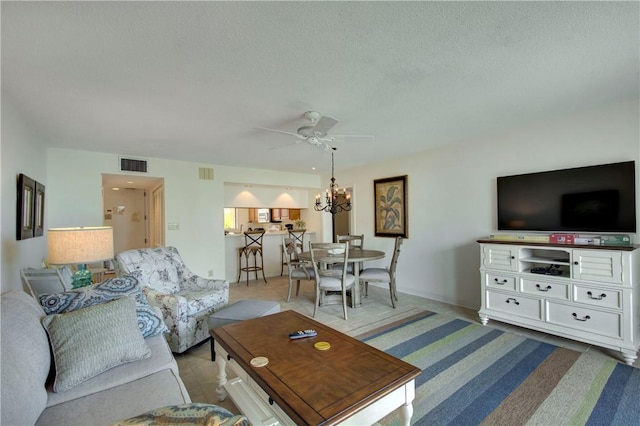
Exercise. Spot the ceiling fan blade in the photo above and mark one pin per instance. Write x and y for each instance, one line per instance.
(324, 125)
(281, 131)
(286, 145)
(354, 138)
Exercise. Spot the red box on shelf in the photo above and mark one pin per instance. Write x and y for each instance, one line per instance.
(562, 238)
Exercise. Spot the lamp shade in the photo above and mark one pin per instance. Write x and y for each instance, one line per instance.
(80, 245)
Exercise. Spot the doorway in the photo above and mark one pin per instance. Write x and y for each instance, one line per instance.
(134, 207)
(342, 220)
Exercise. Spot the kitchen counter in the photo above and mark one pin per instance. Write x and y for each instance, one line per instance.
(271, 246)
(266, 234)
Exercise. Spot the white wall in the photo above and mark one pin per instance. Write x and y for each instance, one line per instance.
(241, 196)
(21, 152)
(452, 193)
(195, 205)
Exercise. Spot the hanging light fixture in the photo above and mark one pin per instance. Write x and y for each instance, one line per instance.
(333, 204)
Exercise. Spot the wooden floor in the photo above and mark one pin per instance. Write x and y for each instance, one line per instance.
(199, 373)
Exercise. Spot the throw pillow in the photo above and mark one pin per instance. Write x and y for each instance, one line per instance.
(194, 413)
(90, 341)
(149, 322)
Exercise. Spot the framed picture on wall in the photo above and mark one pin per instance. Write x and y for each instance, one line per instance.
(390, 209)
(26, 196)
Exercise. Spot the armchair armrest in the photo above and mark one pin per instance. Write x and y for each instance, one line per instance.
(196, 282)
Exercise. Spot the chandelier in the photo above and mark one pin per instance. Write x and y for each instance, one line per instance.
(332, 201)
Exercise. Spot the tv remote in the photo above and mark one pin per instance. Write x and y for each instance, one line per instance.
(302, 333)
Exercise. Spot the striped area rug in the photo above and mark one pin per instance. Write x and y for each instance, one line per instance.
(477, 375)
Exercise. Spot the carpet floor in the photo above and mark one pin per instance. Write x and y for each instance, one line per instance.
(478, 375)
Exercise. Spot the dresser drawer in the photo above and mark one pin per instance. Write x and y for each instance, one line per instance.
(503, 282)
(597, 297)
(521, 306)
(545, 289)
(586, 319)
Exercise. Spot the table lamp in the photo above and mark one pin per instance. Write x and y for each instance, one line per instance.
(80, 246)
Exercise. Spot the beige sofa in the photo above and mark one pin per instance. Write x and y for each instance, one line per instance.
(119, 393)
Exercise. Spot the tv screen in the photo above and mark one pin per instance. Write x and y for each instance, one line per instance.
(585, 199)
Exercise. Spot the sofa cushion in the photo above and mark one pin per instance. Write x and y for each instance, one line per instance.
(161, 359)
(90, 341)
(195, 413)
(149, 322)
(121, 402)
(24, 357)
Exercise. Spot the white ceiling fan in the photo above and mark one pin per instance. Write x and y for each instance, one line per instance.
(315, 133)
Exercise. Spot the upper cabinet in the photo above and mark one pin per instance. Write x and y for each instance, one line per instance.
(285, 214)
(279, 214)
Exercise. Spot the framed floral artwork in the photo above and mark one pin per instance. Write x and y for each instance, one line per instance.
(390, 209)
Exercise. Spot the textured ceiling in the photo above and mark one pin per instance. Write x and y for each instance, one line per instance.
(192, 81)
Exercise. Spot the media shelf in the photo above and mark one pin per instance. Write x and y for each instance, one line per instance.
(585, 293)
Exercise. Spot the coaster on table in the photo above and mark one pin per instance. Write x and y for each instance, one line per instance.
(259, 361)
(322, 346)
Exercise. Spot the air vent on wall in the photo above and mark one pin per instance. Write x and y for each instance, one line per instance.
(133, 165)
(206, 173)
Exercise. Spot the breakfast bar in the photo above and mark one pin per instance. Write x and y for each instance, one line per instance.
(272, 243)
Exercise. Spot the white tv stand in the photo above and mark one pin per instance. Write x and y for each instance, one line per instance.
(592, 296)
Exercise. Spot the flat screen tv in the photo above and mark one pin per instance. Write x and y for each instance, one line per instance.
(598, 198)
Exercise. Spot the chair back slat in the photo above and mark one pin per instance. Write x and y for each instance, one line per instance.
(396, 255)
(253, 238)
(355, 241)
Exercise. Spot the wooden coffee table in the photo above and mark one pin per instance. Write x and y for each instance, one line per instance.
(351, 382)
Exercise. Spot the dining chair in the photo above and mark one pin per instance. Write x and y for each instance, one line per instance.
(298, 270)
(383, 275)
(252, 248)
(355, 242)
(298, 237)
(331, 280)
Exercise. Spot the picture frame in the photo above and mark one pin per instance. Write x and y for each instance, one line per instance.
(25, 207)
(390, 207)
(38, 211)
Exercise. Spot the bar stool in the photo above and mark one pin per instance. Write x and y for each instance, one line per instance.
(297, 236)
(252, 247)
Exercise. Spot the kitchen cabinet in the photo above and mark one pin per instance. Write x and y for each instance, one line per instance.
(280, 214)
(294, 214)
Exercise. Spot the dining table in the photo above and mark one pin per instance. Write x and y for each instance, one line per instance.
(356, 256)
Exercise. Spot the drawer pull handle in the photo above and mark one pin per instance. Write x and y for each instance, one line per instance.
(591, 296)
(270, 401)
(511, 299)
(547, 288)
(575, 316)
(229, 357)
(503, 282)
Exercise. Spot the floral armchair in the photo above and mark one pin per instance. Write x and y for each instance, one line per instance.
(185, 299)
